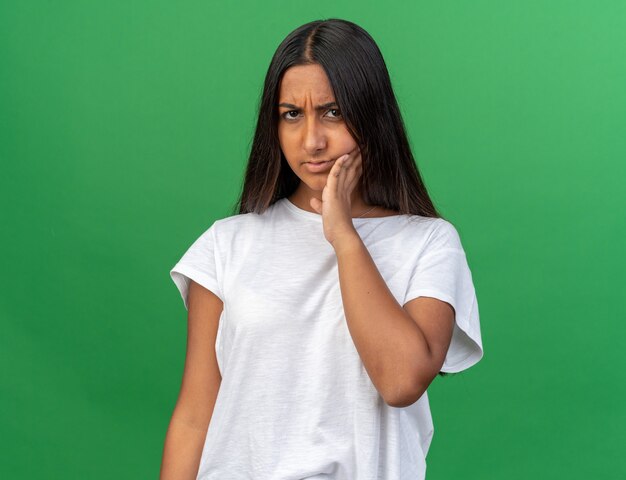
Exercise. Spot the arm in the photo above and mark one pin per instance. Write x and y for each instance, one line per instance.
(200, 384)
(402, 349)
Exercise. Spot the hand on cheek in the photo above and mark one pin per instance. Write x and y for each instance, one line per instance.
(335, 206)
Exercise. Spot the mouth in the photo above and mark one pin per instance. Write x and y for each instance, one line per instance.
(319, 167)
(319, 163)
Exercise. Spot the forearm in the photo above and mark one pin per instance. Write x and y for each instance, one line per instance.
(182, 450)
(391, 345)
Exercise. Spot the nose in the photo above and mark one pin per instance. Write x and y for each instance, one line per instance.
(314, 136)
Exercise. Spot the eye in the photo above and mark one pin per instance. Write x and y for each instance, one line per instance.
(335, 110)
(285, 115)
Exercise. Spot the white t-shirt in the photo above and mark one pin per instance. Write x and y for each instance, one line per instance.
(295, 400)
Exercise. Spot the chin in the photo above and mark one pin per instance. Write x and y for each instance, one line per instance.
(317, 186)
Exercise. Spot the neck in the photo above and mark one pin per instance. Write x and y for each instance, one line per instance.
(302, 198)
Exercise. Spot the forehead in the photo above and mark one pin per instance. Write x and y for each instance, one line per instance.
(303, 81)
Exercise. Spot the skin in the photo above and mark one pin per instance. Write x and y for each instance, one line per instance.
(310, 135)
(200, 385)
(402, 347)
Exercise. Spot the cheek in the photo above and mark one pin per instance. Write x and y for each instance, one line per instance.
(342, 139)
(345, 144)
(286, 140)
(287, 147)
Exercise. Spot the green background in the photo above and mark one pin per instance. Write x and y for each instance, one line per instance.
(124, 131)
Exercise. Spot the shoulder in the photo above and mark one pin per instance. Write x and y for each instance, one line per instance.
(231, 222)
(444, 235)
(237, 228)
(427, 235)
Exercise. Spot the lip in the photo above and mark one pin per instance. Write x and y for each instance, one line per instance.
(319, 167)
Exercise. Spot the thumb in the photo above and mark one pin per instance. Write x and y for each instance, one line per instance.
(316, 204)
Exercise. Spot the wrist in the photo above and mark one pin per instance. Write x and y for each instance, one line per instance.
(347, 243)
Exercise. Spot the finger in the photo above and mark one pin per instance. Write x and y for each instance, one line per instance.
(341, 164)
(354, 161)
(341, 178)
(347, 169)
(352, 176)
(332, 181)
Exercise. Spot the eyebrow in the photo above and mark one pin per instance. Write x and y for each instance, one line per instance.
(324, 106)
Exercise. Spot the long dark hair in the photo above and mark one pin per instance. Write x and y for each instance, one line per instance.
(360, 81)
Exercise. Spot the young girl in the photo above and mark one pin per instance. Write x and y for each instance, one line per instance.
(319, 314)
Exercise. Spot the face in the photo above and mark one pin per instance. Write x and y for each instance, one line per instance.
(310, 126)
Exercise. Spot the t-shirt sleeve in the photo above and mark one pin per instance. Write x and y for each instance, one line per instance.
(200, 264)
(441, 271)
